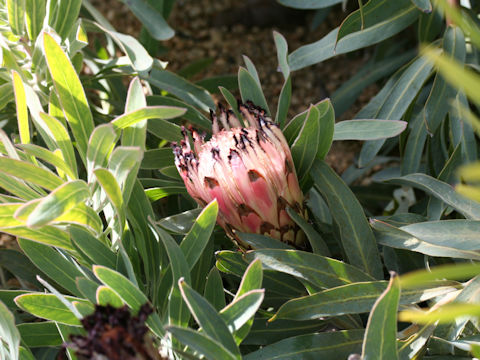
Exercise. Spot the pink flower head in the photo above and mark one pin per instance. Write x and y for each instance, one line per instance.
(247, 166)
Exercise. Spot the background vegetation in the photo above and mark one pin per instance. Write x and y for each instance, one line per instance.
(101, 216)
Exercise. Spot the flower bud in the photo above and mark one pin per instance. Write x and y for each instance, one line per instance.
(247, 166)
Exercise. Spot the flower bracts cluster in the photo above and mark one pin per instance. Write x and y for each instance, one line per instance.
(247, 166)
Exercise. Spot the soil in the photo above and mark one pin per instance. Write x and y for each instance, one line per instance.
(226, 30)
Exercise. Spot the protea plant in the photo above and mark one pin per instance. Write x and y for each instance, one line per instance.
(247, 166)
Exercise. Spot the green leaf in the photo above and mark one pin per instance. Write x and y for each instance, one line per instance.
(443, 191)
(66, 16)
(327, 47)
(54, 265)
(356, 236)
(444, 314)
(70, 93)
(448, 238)
(135, 135)
(321, 271)
(54, 158)
(238, 315)
(327, 345)
(40, 334)
(165, 130)
(35, 13)
(308, 4)
(251, 90)
(373, 71)
(314, 238)
(207, 317)
(19, 265)
(396, 101)
(231, 100)
(423, 5)
(100, 145)
(151, 112)
(62, 139)
(178, 86)
(8, 332)
(97, 251)
(21, 107)
(88, 288)
(438, 102)
(205, 345)
(368, 129)
(16, 16)
(214, 292)
(282, 53)
(196, 240)
(351, 299)
(111, 187)
(380, 340)
(58, 202)
(157, 158)
(455, 73)
(128, 292)
(378, 18)
(180, 223)
(49, 307)
(460, 271)
(304, 148)
(30, 173)
(192, 114)
(284, 103)
(152, 19)
(106, 296)
(257, 241)
(251, 280)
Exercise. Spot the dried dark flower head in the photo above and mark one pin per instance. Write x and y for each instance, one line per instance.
(114, 334)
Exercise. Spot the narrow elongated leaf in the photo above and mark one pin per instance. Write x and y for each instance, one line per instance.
(153, 20)
(35, 13)
(241, 310)
(397, 100)
(469, 208)
(380, 340)
(16, 16)
(48, 306)
(305, 146)
(368, 129)
(351, 299)
(308, 4)
(325, 48)
(444, 314)
(62, 139)
(21, 106)
(324, 345)
(319, 270)
(252, 278)
(196, 240)
(201, 343)
(459, 271)
(208, 318)
(96, 250)
(67, 13)
(100, 145)
(449, 238)
(128, 292)
(53, 158)
(284, 103)
(356, 236)
(250, 89)
(214, 292)
(58, 202)
(181, 88)
(438, 102)
(53, 264)
(294, 126)
(30, 173)
(40, 334)
(162, 112)
(113, 191)
(314, 238)
(70, 93)
(8, 332)
(282, 53)
(106, 296)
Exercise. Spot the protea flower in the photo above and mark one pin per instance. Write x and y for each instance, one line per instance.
(249, 169)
